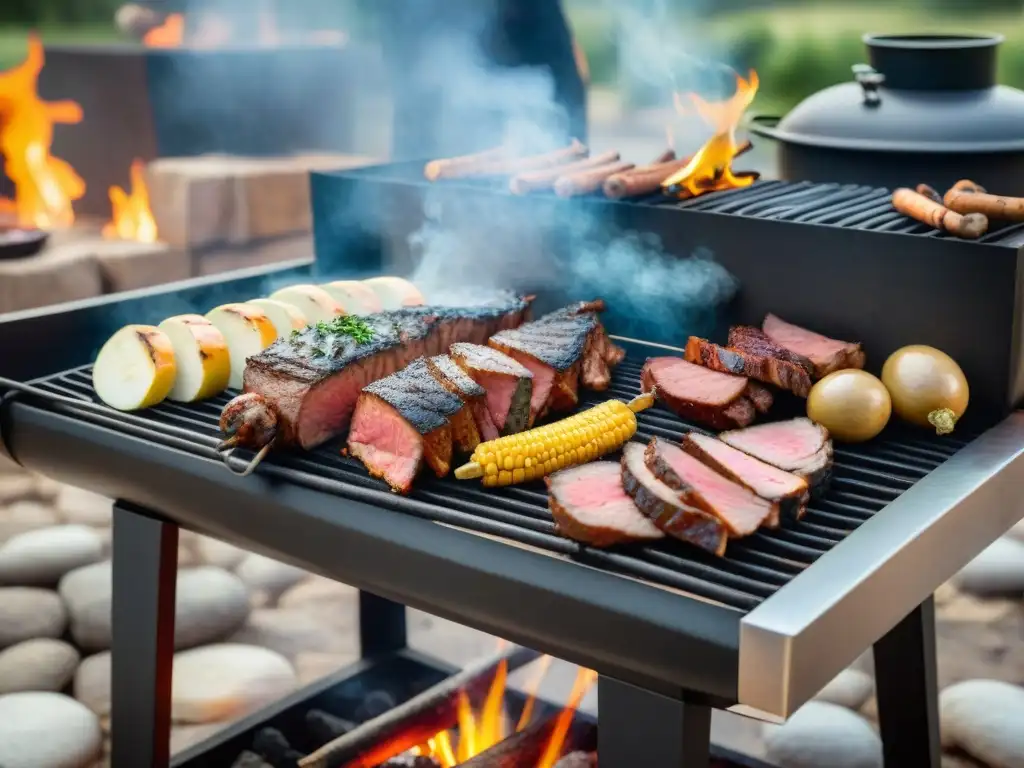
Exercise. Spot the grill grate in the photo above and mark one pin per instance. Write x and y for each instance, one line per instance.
(866, 478)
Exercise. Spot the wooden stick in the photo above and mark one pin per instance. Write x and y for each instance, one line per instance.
(927, 211)
(981, 203)
(966, 185)
(527, 746)
(420, 718)
(454, 167)
(586, 182)
(646, 180)
(534, 181)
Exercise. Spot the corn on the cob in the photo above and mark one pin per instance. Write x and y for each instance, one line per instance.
(540, 451)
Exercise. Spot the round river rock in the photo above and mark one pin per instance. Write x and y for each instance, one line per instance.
(27, 613)
(37, 665)
(40, 558)
(47, 730)
(985, 718)
(821, 734)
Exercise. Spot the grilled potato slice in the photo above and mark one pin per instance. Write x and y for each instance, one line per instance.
(135, 369)
(201, 353)
(395, 292)
(312, 301)
(285, 317)
(247, 331)
(355, 298)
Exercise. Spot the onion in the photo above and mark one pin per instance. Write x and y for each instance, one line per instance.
(852, 405)
(927, 387)
(135, 369)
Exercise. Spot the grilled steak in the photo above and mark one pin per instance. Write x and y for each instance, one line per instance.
(739, 509)
(314, 377)
(785, 489)
(799, 446)
(717, 400)
(590, 505)
(473, 423)
(664, 507)
(401, 420)
(755, 365)
(747, 338)
(508, 384)
(826, 355)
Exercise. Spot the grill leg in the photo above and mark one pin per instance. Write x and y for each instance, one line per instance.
(908, 699)
(637, 727)
(381, 625)
(145, 567)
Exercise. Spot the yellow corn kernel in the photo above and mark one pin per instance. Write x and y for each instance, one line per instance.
(542, 450)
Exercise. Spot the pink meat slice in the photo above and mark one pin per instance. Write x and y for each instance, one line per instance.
(742, 511)
(389, 446)
(766, 481)
(826, 354)
(798, 445)
(543, 379)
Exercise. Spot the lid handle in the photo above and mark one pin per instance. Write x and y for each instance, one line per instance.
(869, 80)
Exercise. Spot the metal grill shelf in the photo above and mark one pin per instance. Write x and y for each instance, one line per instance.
(865, 479)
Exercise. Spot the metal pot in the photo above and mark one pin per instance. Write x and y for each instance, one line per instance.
(926, 109)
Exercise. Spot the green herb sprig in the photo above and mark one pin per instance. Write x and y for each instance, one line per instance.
(346, 325)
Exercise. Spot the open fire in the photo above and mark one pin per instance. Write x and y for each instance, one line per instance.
(46, 187)
(710, 168)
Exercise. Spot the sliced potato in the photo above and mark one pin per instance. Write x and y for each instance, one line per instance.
(204, 364)
(135, 368)
(285, 317)
(247, 331)
(355, 298)
(395, 292)
(311, 300)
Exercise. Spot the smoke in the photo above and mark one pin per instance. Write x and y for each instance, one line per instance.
(569, 249)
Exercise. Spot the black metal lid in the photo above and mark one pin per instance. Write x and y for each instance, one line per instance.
(921, 93)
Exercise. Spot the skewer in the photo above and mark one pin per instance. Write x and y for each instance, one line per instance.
(225, 449)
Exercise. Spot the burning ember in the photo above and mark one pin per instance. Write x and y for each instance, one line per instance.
(168, 35)
(710, 169)
(45, 186)
(132, 218)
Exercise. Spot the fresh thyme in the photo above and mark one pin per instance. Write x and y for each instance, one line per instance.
(346, 325)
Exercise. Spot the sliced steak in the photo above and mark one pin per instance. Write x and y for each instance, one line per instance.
(739, 509)
(747, 338)
(600, 354)
(509, 384)
(480, 426)
(827, 355)
(799, 446)
(664, 507)
(313, 378)
(785, 489)
(754, 365)
(401, 420)
(590, 505)
(717, 400)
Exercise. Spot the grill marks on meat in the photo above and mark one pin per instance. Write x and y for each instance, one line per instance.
(754, 365)
(799, 446)
(747, 338)
(741, 511)
(473, 424)
(313, 379)
(400, 421)
(784, 489)
(663, 506)
(717, 400)
(826, 355)
(590, 505)
(508, 383)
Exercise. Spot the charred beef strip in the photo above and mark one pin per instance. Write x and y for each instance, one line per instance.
(716, 400)
(590, 506)
(740, 510)
(747, 338)
(313, 378)
(826, 355)
(508, 384)
(473, 424)
(799, 446)
(754, 365)
(601, 354)
(402, 420)
(784, 489)
(664, 507)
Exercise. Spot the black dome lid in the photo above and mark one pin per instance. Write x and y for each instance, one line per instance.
(922, 93)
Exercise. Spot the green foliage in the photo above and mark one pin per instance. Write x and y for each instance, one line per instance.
(972, 7)
(43, 12)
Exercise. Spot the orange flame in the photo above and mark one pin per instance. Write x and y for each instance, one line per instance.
(44, 186)
(584, 679)
(168, 35)
(132, 218)
(710, 169)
